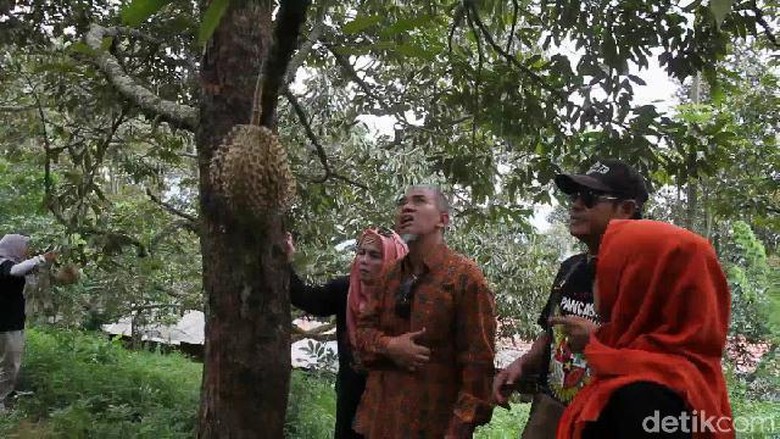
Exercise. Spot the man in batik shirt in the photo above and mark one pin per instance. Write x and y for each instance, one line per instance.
(428, 336)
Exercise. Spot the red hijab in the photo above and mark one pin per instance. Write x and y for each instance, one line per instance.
(393, 248)
(666, 301)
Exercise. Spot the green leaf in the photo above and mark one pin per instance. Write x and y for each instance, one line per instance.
(138, 11)
(106, 43)
(413, 51)
(403, 26)
(81, 47)
(211, 19)
(360, 23)
(720, 8)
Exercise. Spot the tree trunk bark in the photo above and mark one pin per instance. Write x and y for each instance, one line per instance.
(247, 351)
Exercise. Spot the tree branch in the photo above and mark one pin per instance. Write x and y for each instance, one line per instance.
(515, 11)
(309, 133)
(289, 19)
(511, 59)
(17, 109)
(170, 208)
(762, 21)
(176, 114)
(317, 145)
(317, 333)
(47, 184)
(299, 58)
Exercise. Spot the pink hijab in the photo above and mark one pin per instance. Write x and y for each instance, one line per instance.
(393, 248)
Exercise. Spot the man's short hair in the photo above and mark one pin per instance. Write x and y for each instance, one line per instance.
(442, 203)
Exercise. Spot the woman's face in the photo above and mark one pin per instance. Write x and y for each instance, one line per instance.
(369, 260)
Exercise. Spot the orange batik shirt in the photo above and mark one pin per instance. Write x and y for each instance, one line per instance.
(452, 392)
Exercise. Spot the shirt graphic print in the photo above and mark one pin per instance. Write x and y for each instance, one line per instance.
(568, 371)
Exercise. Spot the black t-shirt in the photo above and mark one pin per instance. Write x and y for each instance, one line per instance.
(11, 299)
(565, 372)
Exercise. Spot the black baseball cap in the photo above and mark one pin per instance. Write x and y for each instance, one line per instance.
(611, 176)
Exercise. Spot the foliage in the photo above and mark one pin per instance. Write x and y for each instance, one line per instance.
(748, 272)
(311, 410)
(760, 416)
(323, 357)
(86, 386)
(722, 159)
(519, 267)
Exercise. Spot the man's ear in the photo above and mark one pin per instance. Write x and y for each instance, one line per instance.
(444, 220)
(628, 208)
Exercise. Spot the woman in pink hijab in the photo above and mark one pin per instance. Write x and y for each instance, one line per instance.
(344, 297)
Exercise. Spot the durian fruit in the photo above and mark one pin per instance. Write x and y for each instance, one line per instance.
(251, 172)
(67, 274)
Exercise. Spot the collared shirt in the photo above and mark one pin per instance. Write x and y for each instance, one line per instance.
(452, 392)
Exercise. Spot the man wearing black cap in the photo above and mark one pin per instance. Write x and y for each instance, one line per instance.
(609, 190)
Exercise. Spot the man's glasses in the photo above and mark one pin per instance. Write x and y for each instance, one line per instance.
(590, 197)
(404, 297)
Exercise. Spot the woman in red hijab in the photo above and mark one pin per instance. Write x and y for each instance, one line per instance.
(344, 297)
(656, 363)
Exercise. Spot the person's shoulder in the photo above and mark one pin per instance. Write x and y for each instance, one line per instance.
(572, 260)
(340, 282)
(462, 262)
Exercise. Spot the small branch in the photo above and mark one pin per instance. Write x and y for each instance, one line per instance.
(17, 109)
(47, 184)
(309, 133)
(317, 145)
(299, 58)
(459, 15)
(169, 229)
(767, 28)
(316, 334)
(515, 11)
(511, 59)
(170, 208)
(348, 180)
(471, 17)
(343, 62)
(174, 113)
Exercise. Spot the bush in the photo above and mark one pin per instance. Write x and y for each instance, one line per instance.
(86, 386)
(311, 410)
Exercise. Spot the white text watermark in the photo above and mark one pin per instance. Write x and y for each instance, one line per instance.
(700, 422)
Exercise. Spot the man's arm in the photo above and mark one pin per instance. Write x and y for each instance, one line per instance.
(377, 349)
(371, 341)
(475, 346)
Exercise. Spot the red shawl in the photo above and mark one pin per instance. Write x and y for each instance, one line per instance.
(666, 301)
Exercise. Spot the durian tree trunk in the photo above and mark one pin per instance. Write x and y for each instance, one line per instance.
(247, 347)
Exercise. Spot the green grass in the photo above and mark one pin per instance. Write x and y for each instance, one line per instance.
(85, 386)
(311, 411)
(505, 424)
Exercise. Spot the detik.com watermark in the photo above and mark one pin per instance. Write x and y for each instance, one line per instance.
(700, 422)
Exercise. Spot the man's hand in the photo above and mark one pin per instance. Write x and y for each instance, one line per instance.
(406, 353)
(289, 246)
(504, 382)
(577, 329)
